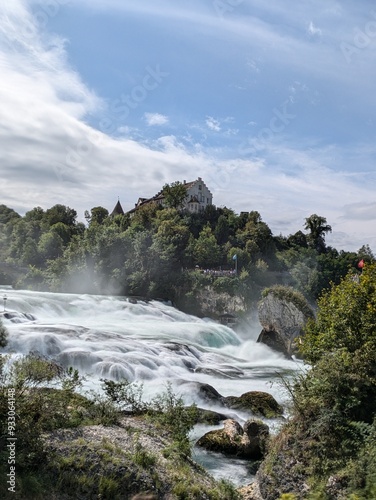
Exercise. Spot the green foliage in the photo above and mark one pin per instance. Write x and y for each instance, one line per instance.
(44, 399)
(290, 295)
(206, 249)
(150, 251)
(166, 409)
(175, 194)
(331, 432)
(7, 214)
(346, 317)
(60, 213)
(125, 395)
(142, 457)
(317, 227)
(169, 410)
(3, 335)
(97, 215)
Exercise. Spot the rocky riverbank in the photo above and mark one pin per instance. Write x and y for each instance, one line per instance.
(133, 457)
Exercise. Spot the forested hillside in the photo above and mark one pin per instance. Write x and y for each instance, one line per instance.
(166, 253)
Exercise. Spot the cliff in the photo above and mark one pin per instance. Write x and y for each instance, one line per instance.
(282, 313)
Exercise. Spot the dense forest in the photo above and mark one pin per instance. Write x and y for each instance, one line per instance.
(163, 252)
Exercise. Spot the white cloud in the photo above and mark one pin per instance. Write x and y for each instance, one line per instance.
(49, 154)
(213, 124)
(155, 119)
(313, 30)
(360, 211)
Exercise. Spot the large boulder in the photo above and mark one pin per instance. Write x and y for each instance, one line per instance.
(248, 441)
(283, 313)
(17, 317)
(257, 402)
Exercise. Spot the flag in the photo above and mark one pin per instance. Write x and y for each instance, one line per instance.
(235, 257)
(361, 264)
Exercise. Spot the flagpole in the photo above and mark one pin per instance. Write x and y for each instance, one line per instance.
(235, 258)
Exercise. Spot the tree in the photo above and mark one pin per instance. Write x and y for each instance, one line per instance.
(222, 230)
(97, 215)
(346, 317)
(366, 254)
(298, 239)
(331, 429)
(317, 228)
(60, 213)
(207, 252)
(174, 194)
(50, 245)
(256, 237)
(36, 214)
(7, 214)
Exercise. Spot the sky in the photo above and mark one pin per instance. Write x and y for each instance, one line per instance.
(272, 103)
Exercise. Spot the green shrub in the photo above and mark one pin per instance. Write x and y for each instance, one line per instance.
(142, 457)
(166, 409)
(125, 395)
(346, 317)
(3, 335)
(45, 400)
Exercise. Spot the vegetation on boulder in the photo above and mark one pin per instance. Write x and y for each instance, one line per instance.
(257, 402)
(289, 294)
(249, 441)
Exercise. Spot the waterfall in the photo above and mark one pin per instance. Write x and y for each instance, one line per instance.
(144, 341)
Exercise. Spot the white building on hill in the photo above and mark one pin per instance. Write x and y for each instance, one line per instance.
(197, 199)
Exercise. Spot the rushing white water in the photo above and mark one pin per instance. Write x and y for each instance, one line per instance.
(151, 342)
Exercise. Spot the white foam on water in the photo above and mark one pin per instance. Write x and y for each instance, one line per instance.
(148, 342)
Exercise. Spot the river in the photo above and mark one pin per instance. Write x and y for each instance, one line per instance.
(150, 342)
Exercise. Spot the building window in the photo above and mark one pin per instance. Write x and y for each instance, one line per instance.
(199, 187)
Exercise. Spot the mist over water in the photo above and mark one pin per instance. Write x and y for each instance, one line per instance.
(149, 342)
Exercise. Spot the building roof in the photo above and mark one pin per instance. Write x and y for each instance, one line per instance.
(118, 210)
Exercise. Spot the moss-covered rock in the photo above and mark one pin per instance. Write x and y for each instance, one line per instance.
(257, 402)
(210, 417)
(243, 442)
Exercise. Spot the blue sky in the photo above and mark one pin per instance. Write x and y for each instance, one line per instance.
(271, 103)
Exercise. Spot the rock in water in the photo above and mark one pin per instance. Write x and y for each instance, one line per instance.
(257, 402)
(282, 314)
(243, 442)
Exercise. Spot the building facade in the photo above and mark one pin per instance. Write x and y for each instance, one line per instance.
(198, 196)
(197, 199)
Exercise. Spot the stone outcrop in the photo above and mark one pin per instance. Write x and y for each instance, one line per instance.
(282, 319)
(257, 402)
(17, 317)
(131, 460)
(248, 441)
